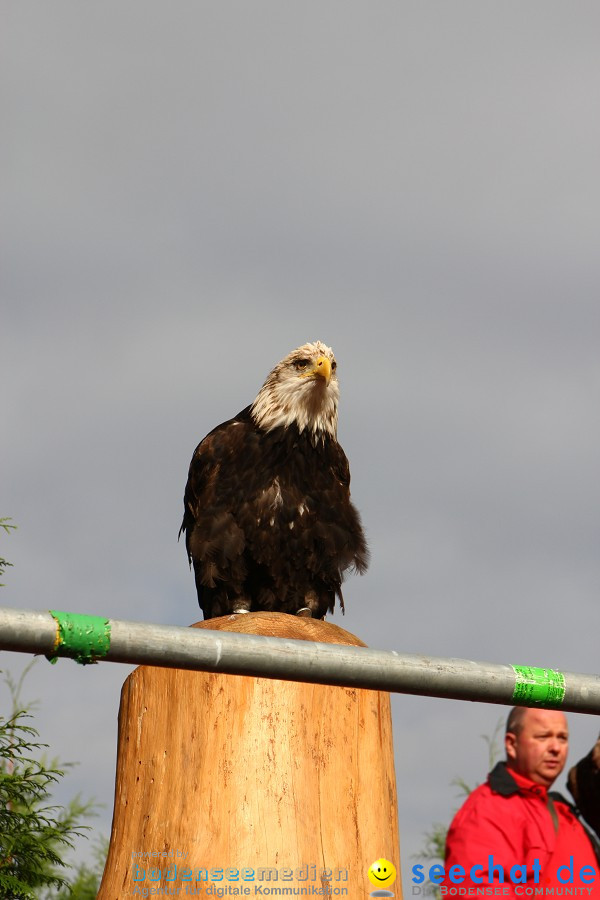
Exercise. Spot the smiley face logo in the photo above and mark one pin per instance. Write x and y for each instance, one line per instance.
(382, 873)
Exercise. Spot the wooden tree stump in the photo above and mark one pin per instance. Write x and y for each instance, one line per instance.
(229, 772)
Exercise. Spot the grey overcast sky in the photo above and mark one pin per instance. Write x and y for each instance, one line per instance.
(192, 189)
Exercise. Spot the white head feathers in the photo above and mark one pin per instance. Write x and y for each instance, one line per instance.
(302, 389)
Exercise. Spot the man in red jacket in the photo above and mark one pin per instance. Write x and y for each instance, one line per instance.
(511, 833)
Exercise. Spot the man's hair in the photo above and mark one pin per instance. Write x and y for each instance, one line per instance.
(514, 723)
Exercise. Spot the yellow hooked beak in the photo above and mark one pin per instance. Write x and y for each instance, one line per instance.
(322, 368)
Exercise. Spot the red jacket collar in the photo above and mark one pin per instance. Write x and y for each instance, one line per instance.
(526, 786)
(505, 781)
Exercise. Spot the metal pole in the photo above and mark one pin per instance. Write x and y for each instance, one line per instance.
(138, 643)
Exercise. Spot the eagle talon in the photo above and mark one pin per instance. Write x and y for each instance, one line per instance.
(305, 612)
(238, 612)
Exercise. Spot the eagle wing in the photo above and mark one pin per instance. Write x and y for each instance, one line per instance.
(214, 477)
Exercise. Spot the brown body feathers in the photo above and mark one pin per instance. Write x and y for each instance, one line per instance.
(268, 519)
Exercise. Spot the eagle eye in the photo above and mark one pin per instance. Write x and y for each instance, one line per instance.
(333, 365)
(301, 364)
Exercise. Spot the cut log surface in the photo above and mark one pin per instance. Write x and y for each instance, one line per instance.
(229, 772)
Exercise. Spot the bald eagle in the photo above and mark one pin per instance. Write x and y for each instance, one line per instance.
(268, 520)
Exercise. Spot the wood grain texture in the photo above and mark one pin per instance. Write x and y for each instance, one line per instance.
(242, 772)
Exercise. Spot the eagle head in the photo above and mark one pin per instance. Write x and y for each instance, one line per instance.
(302, 389)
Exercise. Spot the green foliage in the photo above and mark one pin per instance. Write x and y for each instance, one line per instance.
(34, 834)
(433, 851)
(494, 743)
(4, 523)
(85, 882)
(434, 845)
(31, 834)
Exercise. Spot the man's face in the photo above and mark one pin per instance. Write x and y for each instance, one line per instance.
(539, 750)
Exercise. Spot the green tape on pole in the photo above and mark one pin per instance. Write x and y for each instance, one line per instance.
(85, 639)
(535, 685)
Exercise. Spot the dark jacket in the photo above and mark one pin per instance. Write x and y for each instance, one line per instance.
(584, 784)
